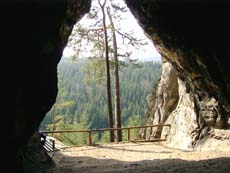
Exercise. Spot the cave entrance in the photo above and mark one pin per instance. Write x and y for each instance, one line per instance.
(82, 101)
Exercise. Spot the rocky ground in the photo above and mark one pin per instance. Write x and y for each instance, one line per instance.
(138, 158)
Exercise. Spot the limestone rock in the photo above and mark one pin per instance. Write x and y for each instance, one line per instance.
(184, 128)
(162, 101)
(185, 39)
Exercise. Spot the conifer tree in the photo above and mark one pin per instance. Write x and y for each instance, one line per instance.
(102, 40)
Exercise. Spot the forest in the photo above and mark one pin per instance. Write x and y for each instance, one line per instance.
(82, 103)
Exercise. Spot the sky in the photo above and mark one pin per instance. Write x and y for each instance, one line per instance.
(128, 24)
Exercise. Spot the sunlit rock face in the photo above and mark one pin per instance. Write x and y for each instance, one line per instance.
(171, 103)
(184, 130)
(162, 101)
(193, 37)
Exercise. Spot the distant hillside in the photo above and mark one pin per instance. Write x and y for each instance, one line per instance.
(84, 106)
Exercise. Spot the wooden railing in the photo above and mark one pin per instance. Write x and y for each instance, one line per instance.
(90, 131)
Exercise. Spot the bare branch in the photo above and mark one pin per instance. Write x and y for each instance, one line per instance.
(102, 5)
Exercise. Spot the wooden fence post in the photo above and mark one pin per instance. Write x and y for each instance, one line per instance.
(128, 134)
(90, 137)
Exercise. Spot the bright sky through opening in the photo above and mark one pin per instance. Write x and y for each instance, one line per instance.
(128, 24)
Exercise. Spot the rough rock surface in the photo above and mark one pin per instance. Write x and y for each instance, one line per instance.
(170, 103)
(33, 36)
(35, 158)
(162, 101)
(185, 129)
(184, 34)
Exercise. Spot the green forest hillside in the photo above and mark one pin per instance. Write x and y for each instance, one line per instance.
(81, 101)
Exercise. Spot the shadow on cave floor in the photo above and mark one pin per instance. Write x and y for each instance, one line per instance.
(112, 158)
(77, 165)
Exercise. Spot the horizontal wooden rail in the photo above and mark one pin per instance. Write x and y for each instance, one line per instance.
(104, 129)
(89, 131)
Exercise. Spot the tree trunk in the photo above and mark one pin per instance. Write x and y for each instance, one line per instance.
(110, 114)
(116, 82)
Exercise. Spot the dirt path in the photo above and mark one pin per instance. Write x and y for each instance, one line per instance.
(139, 158)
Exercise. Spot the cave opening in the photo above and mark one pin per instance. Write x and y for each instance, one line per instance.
(180, 63)
(81, 99)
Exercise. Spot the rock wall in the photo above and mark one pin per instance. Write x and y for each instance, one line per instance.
(162, 101)
(193, 37)
(185, 124)
(33, 35)
(170, 103)
(191, 127)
